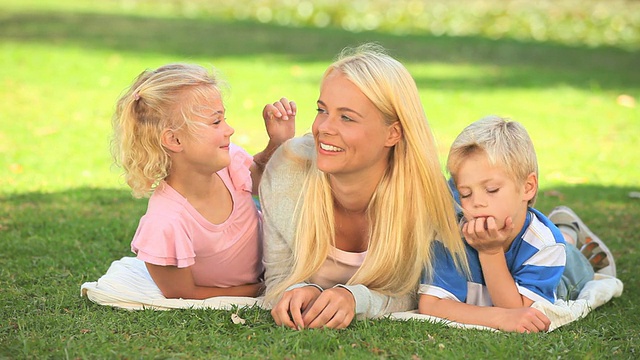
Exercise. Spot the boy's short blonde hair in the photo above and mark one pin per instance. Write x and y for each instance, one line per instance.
(506, 144)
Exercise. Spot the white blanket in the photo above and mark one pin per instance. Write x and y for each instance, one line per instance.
(128, 285)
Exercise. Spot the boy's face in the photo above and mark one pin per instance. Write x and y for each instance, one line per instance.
(488, 191)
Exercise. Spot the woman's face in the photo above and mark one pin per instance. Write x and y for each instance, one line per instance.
(350, 133)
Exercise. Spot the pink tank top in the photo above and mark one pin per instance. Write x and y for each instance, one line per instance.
(338, 268)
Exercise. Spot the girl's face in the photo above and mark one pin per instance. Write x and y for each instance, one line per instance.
(207, 150)
(350, 133)
(487, 191)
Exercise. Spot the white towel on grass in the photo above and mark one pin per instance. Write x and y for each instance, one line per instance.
(128, 285)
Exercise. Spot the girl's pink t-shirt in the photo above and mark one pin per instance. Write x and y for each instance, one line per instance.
(174, 233)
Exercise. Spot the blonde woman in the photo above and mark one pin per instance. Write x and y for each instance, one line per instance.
(351, 210)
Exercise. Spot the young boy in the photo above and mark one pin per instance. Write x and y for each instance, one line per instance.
(516, 255)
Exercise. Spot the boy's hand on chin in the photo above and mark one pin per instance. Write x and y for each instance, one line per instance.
(483, 234)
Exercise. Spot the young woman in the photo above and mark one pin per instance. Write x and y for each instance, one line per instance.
(351, 209)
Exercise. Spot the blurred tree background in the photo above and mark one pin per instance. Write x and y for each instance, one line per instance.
(570, 22)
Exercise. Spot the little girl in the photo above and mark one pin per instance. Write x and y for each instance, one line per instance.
(201, 235)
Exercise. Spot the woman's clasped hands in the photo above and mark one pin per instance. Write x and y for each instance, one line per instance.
(308, 307)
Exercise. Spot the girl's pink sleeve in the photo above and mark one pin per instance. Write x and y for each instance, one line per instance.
(163, 241)
(239, 168)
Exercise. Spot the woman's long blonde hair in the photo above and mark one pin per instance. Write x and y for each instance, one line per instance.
(412, 204)
(157, 100)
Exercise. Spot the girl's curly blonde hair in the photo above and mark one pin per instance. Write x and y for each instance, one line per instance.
(157, 100)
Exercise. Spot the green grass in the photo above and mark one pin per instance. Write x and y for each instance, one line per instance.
(65, 214)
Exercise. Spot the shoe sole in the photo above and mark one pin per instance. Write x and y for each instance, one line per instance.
(583, 232)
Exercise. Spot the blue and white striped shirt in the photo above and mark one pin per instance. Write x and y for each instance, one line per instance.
(536, 261)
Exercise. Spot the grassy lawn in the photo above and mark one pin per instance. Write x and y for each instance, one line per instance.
(65, 213)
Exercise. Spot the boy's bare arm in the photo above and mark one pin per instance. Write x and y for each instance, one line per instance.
(491, 243)
(500, 283)
(523, 319)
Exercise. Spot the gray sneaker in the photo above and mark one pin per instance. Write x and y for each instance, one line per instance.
(589, 244)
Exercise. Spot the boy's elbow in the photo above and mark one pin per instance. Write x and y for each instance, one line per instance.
(427, 303)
